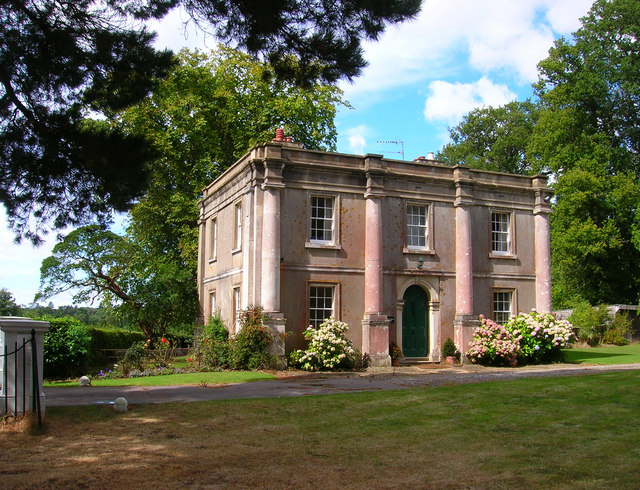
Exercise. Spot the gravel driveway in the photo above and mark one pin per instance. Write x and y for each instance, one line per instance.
(300, 384)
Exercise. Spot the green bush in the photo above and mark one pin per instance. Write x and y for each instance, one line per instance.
(109, 338)
(216, 329)
(249, 349)
(213, 349)
(252, 345)
(449, 348)
(590, 322)
(113, 338)
(617, 330)
(136, 357)
(66, 348)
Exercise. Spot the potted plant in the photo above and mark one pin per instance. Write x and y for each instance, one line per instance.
(396, 353)
(449, 351)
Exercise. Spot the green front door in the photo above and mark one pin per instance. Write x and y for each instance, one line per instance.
(415, 323)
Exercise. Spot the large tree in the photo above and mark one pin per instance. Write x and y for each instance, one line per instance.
(62, 61)
(199, 120)
(8, 306)
(99, 264)
(207, 113)
(59, 62)
(494, 138)
(586, 133)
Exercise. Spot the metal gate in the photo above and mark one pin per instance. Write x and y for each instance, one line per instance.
(14, 397)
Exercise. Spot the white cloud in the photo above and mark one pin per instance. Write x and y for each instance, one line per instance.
(505, 36)
(448, 102)
(357, 138)
(561, 15)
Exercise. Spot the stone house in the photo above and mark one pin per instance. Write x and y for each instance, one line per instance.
(404, 252)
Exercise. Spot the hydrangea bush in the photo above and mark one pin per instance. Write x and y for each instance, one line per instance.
(493, 345)
(529, 338)
(328, 348)
(541, 336)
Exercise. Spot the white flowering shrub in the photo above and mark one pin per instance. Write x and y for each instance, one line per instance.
(529, 338)
(328, 348)
(541, 336)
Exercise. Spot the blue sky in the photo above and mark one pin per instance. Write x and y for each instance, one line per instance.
(423, 76)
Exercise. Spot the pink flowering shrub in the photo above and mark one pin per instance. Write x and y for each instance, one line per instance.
(542, 336)
(493, 345)
(328, 348)
(529, 338)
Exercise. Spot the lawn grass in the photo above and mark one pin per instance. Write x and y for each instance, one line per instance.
(622, 354)
(567, 432)
(210, 378)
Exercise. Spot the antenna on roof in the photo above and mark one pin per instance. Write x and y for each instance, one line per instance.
(400, 143)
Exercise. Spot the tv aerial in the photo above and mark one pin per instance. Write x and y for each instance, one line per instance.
(399, 143)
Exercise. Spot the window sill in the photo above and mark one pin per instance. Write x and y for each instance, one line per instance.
(503, 256)
(213, 261)
(418, 251)
(236, 250)
(325, 246)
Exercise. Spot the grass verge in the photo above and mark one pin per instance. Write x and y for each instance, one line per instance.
(174, 379)
(571, 432)
(622, 354)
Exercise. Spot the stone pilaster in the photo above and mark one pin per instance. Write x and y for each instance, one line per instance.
(277, 323)
(270, 276)
(202, 258)
(465, 320)
(542, 245)
(375, 325)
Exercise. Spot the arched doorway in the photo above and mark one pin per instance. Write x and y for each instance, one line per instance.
(415, 323)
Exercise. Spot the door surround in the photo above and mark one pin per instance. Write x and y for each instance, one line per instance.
(431, 286)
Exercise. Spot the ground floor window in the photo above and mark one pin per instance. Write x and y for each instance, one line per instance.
(321, 303)
(502, 306)
(236, 308)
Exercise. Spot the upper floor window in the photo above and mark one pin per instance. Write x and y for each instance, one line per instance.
(237, 238)
(322, 219)
(416, 226)
(501, 233)
(214, 239)
(418, 219)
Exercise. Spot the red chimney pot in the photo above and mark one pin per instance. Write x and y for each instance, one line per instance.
(279, 135)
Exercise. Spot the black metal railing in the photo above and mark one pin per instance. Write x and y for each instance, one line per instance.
(20, 377)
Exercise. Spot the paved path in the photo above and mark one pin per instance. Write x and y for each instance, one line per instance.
(316, 384)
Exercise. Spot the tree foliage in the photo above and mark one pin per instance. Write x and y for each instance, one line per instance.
(66, 348)
(200, 119)
(63, 62)
(303, 41)
(59, 62)
(99, 264)
(208, 112)
(8, 306)
(586, 133)
(494, 138)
